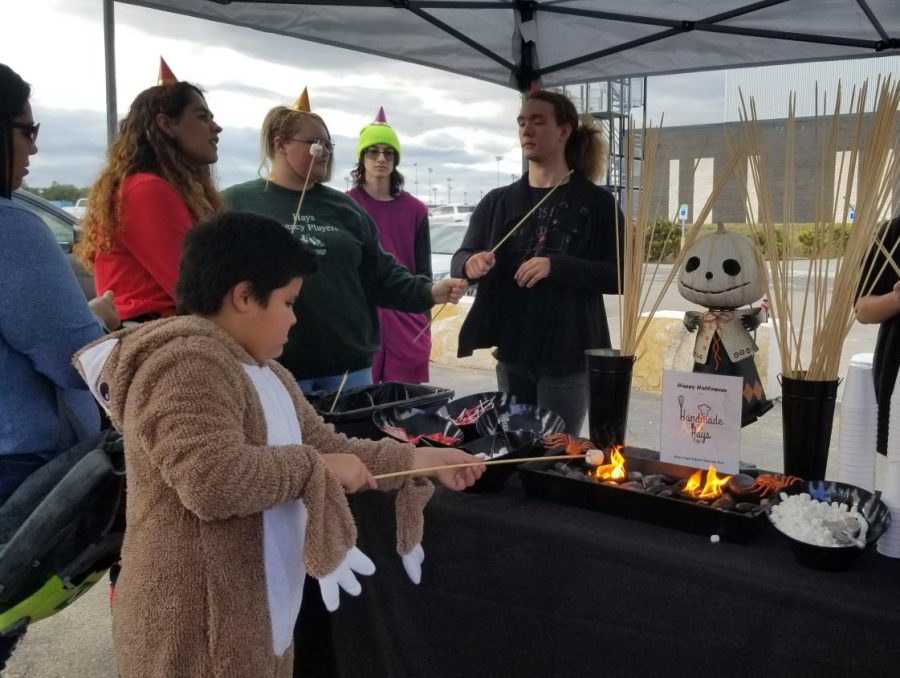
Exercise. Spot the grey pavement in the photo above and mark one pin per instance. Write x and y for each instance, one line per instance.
(76, 643)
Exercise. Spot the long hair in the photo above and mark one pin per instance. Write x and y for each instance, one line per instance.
(14, 94)
(358, 174)
(142, 147)
(285, 122)
(587, 150)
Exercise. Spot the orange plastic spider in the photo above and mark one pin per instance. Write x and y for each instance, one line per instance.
(767, 485)
(573, 446)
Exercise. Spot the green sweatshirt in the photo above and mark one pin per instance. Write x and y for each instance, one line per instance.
(337, 324)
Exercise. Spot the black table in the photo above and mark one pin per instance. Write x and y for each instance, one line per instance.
(514, 586)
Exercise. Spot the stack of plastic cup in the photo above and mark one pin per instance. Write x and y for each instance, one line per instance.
(889, 544)
(858, 426)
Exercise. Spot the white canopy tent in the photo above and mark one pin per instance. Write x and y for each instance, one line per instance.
(557, 42)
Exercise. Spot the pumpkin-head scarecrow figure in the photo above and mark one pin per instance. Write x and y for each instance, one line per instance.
(724, 271)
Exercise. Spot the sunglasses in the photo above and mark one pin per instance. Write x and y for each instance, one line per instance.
(325, 143)
(31, 129)
(372, 153)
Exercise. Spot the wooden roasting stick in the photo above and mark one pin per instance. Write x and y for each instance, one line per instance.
(502, 240)
(497, 462)
(338, 394)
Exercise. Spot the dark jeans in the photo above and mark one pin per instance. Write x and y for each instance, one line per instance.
(361, 377)
(565, 394)
(15, 468)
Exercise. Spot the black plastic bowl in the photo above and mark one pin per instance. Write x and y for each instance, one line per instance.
(519, 417)
(835, 558)
(416, 423)
(509, 445)
(455, 408)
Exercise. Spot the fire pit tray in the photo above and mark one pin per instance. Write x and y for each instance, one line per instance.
(541, 483)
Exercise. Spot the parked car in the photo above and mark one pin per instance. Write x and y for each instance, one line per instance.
(445, 240)
(79, 209)
(450, 214)
(62, 225)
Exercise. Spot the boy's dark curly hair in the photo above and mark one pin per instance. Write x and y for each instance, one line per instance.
(235, 247)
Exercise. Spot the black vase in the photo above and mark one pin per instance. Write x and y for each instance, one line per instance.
(807, 410)
(609, 376)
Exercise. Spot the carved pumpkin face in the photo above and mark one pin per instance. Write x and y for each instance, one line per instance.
(722, 270)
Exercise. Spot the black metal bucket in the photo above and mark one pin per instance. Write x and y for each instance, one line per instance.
(807, 411)
(609, 376)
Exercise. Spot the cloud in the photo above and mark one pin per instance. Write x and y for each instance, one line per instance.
(456, 126)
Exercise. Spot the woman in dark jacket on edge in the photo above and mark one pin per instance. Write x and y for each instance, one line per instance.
(540, 297)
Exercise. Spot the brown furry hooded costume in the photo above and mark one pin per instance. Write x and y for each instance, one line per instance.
(192, 598)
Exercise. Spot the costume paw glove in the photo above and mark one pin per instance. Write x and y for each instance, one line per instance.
(412, 563)
(344, 578)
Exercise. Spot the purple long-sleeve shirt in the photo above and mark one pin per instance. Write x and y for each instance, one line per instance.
(403, 232)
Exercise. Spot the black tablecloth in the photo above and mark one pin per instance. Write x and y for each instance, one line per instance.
(515, 586)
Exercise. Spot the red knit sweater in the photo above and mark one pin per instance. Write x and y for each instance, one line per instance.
(142, 266)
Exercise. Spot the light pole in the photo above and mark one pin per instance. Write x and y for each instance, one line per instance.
(434, 202)
(416, 180)
(449, 190)
(498, 158)
(347, 179)
(429, 184)
(465, 198)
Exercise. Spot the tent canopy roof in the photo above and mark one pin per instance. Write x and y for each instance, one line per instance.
(558, 42)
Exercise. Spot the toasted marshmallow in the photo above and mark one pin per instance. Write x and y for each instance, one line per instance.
(594, 457)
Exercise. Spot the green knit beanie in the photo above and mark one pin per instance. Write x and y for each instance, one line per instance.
(378, 132)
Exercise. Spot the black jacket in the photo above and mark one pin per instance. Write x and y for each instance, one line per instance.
(550, 325)
(886, 359)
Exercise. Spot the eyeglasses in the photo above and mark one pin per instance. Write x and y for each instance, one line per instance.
(373, 153)
(31, 129)
(327, 144)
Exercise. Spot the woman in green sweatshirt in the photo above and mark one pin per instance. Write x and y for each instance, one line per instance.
(339, 332)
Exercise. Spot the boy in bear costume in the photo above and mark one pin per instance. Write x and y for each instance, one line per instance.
(235, 484)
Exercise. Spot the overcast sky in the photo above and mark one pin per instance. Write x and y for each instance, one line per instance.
(456, 126)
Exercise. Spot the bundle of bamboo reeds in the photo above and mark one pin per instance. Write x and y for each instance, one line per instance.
(636, 308)
(812, 323)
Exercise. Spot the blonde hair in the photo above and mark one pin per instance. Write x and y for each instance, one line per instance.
(143, 147)
(285, 122)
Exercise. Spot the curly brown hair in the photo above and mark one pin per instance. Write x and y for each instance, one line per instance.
(142, 147)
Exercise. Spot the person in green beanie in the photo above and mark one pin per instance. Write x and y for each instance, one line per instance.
(403, 230)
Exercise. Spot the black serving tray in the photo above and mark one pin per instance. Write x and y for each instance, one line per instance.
(650, 508)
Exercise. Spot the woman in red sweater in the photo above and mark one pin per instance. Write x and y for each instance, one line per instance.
(156, 185)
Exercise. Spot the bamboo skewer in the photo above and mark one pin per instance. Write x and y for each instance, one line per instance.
(840, 266)
(496, 247)
(531, 211)
(496, 462)
(338, 394)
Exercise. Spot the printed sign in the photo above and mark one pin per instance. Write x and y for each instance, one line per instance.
(683, 213)
(701, 420)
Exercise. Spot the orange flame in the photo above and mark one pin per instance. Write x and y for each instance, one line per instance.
(712, 488)
(614, 470)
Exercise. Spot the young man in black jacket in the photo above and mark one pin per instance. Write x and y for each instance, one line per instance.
(539, 296)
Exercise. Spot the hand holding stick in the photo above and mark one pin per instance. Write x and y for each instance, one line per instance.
(502, 240)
